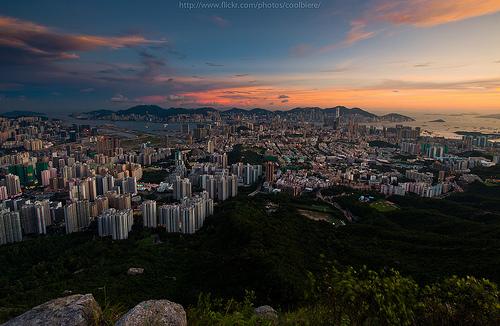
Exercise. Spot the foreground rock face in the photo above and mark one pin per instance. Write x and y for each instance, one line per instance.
(155, 312)
(78, 310)
(266, 312)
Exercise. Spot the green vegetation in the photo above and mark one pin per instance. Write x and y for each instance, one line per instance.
(240, 154)
(154, 175)
(384, 206)
(245, 247)
(488, 173)
(345, 296)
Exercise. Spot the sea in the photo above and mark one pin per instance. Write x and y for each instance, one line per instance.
(446, 125)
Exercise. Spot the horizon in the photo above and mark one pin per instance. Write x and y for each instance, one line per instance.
(382, 56)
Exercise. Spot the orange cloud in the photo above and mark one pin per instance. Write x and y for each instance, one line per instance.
(426, 13)
(418, 13)
(357, 33)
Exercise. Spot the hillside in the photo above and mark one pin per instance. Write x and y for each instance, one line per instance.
(18, 114)
(159, 112)
(245, 246)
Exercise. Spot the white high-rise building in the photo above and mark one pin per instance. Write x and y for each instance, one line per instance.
(149, 217)
(45, 175)
(170, 217)
(182, 188)
(10, 226)
(116, 224)
(77, 216)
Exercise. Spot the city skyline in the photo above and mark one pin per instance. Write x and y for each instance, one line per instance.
(378, 55)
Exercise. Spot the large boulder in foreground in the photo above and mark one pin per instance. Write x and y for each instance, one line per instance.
(77, 309)
(266, 312)
(155, 312)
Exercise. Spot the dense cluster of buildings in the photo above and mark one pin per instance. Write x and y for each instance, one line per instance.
(56, 177)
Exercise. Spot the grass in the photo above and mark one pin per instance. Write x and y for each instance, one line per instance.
(384, 206)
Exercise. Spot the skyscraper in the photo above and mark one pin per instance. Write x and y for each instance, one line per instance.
(182, 188)
(270, 172)
(13, 185)
(149, 217)
(10, 226)
(115, 223)
(210, 146)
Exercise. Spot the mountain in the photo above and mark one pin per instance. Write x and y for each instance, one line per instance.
(395, 117)
(159, 112)
(18, 114)
(490, 116)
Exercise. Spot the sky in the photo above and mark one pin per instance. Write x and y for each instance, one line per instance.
(380, 55)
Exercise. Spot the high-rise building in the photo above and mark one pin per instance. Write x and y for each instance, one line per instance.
(169, 217)
(13, 185)
(149, 217)
(45, 177)
(270, 177)
(210, 146)
(10, 226)
(102, 204)
(188, 219)
(70, 218)
(115, 223)
(119, 201)
(182, 188)
(130, 185)
(106, 145)
(35, 217)
(3, 193)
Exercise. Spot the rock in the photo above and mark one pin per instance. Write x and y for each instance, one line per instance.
(135, 271)
(75, 310)
(154, 312)
(266, 312)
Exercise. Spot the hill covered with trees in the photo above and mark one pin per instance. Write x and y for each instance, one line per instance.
(267, 245)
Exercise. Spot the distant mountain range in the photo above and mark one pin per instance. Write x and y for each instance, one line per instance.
(159, 112)
(490, 116)
(18, 114)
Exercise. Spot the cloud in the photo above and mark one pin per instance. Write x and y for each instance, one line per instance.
(427, 13)
(357, 33)
(283, 96)
(284, 101)
(416, 13)
(152, 64)
(119, 98)
(241, 75)
(24, 42)
(422, 65)
(211, 64)
(219, 21)
(175, 98)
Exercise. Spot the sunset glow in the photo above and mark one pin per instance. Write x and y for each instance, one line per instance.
(379, 55)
